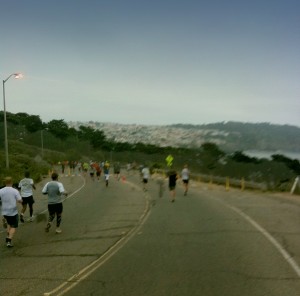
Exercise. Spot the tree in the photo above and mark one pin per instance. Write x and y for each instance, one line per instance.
(239, 156)
(213, 150)
(294, 164)
(97, 139)
(58, 128)
(85, 132)
(210, 155)
(33, 123)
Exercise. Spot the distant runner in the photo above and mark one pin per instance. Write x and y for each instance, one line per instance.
(185, 176)
(172, 183)
(145, 176)
(106, 172)
(97, 169)
(117, 169)
(26, 186)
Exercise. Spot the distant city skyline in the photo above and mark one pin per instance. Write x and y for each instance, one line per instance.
(153, 62)
(256, 144)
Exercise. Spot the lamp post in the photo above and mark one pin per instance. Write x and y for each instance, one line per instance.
(42, 139)
(16, 75)
(42, 142)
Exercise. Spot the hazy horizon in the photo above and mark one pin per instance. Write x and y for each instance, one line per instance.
(178, 123)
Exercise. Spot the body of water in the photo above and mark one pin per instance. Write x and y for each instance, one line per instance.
(268, 154)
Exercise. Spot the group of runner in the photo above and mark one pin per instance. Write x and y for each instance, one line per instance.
(95, 169)
(172, 178)
(11, 196)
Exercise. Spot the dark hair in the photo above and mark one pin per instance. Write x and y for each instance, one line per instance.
(27, 174)
(54, 176)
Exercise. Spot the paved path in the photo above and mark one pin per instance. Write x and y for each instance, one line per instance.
(123, 241)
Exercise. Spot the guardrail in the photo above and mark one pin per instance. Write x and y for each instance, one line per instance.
(226, 181)
(229, 182)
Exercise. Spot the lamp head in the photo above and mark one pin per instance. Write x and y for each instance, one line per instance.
(18, 75)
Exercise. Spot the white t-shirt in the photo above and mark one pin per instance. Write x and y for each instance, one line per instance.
(185, 173)
(145, 173)
(26, 186)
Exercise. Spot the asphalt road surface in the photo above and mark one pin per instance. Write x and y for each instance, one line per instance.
(121, 240)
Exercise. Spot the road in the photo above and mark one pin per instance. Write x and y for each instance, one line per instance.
(123, 241)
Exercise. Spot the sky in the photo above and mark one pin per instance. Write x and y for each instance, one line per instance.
(155, 62)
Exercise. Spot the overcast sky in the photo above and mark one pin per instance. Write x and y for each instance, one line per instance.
(153, 62)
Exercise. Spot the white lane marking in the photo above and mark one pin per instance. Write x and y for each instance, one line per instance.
(89, 269)
(269, 237)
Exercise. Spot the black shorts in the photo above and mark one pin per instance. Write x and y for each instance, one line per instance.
(185, 181)
(145, 181)
(27, 200)
(12, 221)
(55, 208)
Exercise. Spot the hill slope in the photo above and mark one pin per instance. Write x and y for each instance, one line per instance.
(229, 136)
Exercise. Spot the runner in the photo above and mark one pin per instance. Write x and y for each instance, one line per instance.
(185, 176)
(55, 190)
(97, 168)
(106, 172)
(117, 169)
(92, 171)
(145, 176)
(85, 167)
(26, 185)
(9, 197)
(172, 184)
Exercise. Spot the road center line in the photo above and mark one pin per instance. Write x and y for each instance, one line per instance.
(89, 269)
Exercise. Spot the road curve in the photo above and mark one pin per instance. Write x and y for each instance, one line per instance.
(123, 241)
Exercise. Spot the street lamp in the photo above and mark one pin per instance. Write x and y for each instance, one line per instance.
(17, 76)
(42, 139)
(42, 142)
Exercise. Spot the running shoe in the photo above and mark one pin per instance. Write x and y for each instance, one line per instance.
(58, 230)
(9, 245)
(31, 219)
(48, 227)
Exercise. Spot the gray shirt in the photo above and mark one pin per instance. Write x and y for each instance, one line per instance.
(54, 189)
